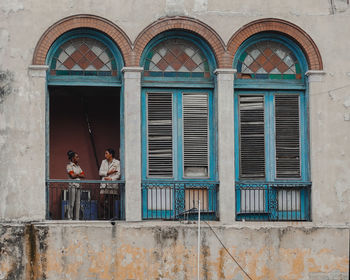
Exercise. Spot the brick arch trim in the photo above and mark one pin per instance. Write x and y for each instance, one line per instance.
(82, 21)
(184, 24)
(297, 34)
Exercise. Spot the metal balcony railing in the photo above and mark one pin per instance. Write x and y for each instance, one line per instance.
(174, 200)
(273, 201)
(85, 200)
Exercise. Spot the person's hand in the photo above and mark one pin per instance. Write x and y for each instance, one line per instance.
(113, 170)
(108, 179)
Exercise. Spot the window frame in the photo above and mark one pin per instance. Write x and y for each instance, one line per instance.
(75, 80)
(270, 134)
(268, 83)
(177, 129)
(272, 187)
(178, 84)
(85, 80)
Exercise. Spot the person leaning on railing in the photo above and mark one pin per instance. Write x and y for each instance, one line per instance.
(109, 171)
(74, 172)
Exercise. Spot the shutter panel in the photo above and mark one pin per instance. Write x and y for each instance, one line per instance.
(193, 196)
(195, 138)
(287, 136)
(252, 137)
(159, 134)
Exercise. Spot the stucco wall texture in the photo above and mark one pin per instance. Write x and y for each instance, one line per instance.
(22, 109)
(169, 251)
(33, 249)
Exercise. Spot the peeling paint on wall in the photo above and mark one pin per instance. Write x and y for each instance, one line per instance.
(341, 6)
(175, 8)
(11, 252)
(6, 80)
(4, 40)
(347, 102)
(342, 190)
(11, 6)
(150, 251)
(200, 6)
(338, 6)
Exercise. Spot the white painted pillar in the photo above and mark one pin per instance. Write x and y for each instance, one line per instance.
(316, 104)
(226, 139)
(132, 128)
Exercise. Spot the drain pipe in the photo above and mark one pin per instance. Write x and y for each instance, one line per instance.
(199, 237)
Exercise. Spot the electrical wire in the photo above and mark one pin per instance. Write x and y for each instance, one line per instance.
(222, 244)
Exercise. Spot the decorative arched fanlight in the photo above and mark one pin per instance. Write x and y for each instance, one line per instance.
(268, 60)
(83, 56)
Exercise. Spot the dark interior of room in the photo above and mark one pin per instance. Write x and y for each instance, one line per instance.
(72, 111)
(85, 120)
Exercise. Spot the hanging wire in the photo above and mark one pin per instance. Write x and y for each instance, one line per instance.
(232, 257)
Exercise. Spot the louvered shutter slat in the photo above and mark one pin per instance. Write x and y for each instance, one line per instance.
(252, 137)
(287, 136)
(159, 134)
(195, 134)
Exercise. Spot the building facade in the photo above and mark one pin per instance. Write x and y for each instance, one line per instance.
(238, 111)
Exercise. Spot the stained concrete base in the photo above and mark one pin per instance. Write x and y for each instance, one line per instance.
(168, 250)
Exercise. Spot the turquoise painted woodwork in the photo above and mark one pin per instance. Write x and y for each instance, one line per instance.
(177, 80)
(270, 191)
(268, 59)
(178, 179)
(73, 77)
(272, 83)
(178, 133)
(77, 80)
(175, 201)
(177, 84)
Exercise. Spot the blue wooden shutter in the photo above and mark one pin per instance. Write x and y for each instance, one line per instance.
(252, 137)
(195, 134)
(287, 136)
(159, 134)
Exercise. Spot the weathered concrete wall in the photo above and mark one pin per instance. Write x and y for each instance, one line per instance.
(22, 147)
(317, 250)
(12, 251)
(169, 251)
(22, 96)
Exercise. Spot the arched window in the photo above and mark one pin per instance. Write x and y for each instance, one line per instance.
(83, 56)
(271, 124)
(85, 115)
(268, 60)
(176, 58)
(179, 156)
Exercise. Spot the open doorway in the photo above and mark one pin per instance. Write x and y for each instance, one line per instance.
(85, 120)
